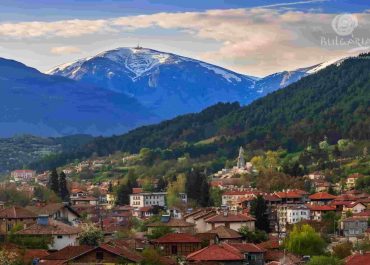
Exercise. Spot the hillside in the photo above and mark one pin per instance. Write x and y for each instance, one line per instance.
(44, 105)
(332, 103)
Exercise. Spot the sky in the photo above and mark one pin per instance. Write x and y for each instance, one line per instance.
(258, 37)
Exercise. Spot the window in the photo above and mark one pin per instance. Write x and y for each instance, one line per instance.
(59, 237)
(173, 249)
(99, 255)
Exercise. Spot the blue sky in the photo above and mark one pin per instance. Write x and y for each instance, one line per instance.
(252, 37)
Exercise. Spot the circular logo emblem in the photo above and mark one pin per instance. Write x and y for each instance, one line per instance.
(344, 24)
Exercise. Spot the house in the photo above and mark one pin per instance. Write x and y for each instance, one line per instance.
(292, 196)
(224, 234)
(177, 244)
(103, 254)
(233, 221)
(143, 212)
(57, 211)
(111, 200)
(353, 226)
(15, 215)
(80, 200)
(233, 198)
(23, 175)
(199, 219)
(316, 176)
(225, 253)
(291, 214)
(358, 259)
(60, 234)
(351, 180)
(144, 199)
(177, 225)
(321, 198)
(354, 207)
(317, 211)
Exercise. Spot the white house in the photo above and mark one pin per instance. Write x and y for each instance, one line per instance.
(145, 199)
(291, 214)
(23, 175)
(62, 235)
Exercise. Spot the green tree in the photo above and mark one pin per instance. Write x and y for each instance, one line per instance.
(91, 235)
(151, 257)
(159, 232)
(215, 196)
(324, 260)
(63, 189)
(256, 236)
(54, 181)
(303, 240)
(259, 211)
(342, 250)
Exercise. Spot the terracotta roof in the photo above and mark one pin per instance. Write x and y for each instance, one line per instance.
(205, 236)
(51, 208)
(31, 254)
(193, 213)
(320, 207)
(355, 218)
(358, 259)
(247, 247)
(271, 197)
(221, 218)
(53, 228)
(137, 190)
(240, 193)
(205, 214)
(353, 204)
(355, 175)
(278, 255)
(72, 252)
(69, 252)
(17, 212)
(288, 194)
(172, 223)
(225, 233)
(222, 252)
(270, 244)
(322, 196)
(177, 238)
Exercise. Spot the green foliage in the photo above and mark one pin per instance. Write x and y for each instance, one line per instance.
(159, 232)
(324, 260)
(151, 257)
(197, 187)
(54, 181)
(342, 250)
(303, 240)
(12, 196)
(91, 235)
(63, 190)
(124, 190)
(38, 242)
(259, 211)
(256, 236)
(215, 194)
(45, 194)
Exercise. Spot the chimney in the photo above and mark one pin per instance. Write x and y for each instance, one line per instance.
(43, 219)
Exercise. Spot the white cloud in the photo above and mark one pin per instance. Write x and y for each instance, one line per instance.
(63, 50)
(255, 41)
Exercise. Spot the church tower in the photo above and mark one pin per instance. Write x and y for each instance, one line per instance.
(241, 160)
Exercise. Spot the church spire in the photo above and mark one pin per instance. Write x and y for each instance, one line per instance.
(241, 160)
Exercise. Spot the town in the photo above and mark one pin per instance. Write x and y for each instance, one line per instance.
(65, 216)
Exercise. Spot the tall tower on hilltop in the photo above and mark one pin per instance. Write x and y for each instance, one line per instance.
(241, 160)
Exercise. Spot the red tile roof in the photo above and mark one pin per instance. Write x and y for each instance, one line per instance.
(247, 247)
(225, 233)
(177, 238)
(31, 254)
(241, 193)
(220, 252)
(270, 244)
(16, 212)
(358, 259)
(221, 218)
(320, 207)
(322, 196)
(289, 194)
(137, 190)
(52, 228)
(355, 175)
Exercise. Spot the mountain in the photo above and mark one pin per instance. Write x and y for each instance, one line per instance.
(166, 83)
(332, 103)
(44, 105)
(170, 84)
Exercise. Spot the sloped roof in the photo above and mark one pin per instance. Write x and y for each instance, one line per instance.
(221, 218)
(172, 223)
(322, 196)
(177, 238)
(320, 207)
(225, 233)
(51, 208)
(17, 212)
(358, 259)
(215, 253)
(247, 247)
(52, 228)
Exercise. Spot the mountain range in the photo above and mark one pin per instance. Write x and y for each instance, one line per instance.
(118, 90)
